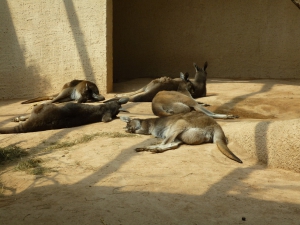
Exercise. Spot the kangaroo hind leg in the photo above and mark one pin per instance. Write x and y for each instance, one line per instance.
(63, 96)
(129, 94)
(170, 142)
(160, 147)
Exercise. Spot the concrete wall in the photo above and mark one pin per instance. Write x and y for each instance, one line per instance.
(239, 39)
(272, 143)
(46, 43)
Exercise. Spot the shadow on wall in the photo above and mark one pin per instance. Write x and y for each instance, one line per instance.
(18, 73)
(78, 36)
(21, 73)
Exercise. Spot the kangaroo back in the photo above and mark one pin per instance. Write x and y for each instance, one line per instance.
(199, 81)
(167, 103)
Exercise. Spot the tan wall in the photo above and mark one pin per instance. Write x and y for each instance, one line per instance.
(273, 143)
(46, 43)
(239, 39)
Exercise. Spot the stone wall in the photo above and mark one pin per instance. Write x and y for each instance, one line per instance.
(272, 143)
(46, 43)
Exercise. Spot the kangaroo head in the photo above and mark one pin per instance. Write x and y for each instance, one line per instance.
(201, 73)
(112, 109)
(132, 126)
(186, 87)
(93, 91)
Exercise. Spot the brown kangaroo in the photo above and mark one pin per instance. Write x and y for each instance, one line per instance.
(190, 128)
(167, 103)
(147, 93)
(199, 81)
(49, 116)
(78, 90)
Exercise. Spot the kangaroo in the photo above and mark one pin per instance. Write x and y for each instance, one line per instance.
(199, 81)
(167, 103)
(49, 116)
(79, 90)
(190, 128)
(147, 93)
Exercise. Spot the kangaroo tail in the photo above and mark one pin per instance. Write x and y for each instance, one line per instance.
(12, 130)
(226, 151)
(219, 140)
(38, 99)
(200, 108)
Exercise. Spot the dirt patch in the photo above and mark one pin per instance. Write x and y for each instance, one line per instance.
(94, 176)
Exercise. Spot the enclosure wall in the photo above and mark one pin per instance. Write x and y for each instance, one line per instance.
(46, 43)
(239, 39)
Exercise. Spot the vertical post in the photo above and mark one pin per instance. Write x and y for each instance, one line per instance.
(109, 45)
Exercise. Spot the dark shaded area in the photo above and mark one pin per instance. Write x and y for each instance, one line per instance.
(238, 39)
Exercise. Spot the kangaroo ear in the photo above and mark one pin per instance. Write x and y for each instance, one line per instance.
(205, 66)
(126, 119)
(196, 67)
(185, 76)
(123, 100)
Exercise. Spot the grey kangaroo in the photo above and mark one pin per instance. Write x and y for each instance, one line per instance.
(147, 93)
(50, 116)
(78, 90)
(190, 128)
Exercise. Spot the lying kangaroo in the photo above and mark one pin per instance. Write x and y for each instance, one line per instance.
(147, 93)
(79, 90)
(50, 116)
(186, 128)
(167, 103)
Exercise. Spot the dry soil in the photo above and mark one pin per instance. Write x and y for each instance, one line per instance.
(104, 181)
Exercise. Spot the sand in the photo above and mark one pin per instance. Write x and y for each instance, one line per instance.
(104, 181)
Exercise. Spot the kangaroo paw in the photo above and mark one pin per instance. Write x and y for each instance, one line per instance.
(232, 116)
(203, 104)
(16, 119)
(157, 150)
(140, 149)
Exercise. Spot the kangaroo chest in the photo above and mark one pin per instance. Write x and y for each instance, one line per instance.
(75, 94)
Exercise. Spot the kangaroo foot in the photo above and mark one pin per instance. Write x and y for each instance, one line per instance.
(232, 116)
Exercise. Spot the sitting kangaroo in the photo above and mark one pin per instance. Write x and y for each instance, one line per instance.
(79, 90)
(199, 81)
(147, 93)
(190, 128)
(167, 103)
(50, 116)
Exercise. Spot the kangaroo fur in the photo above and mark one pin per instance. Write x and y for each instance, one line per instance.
(51, 116)
(78, 90)
(190, 128)
(147, 93)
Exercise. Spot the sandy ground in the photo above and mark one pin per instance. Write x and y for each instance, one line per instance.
(104, 181)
